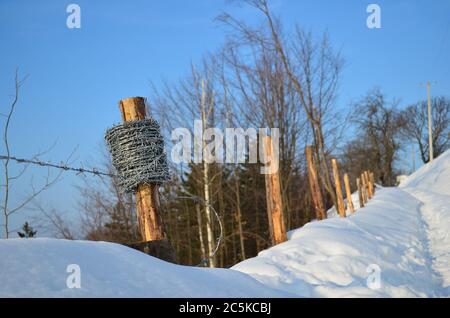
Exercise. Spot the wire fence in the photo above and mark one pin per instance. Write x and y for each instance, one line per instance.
(78, 170)
(99, 173)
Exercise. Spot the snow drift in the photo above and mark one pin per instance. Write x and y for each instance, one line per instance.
(403, 232)
(334, 258)
(401, 235)
(431, 185)
(37, 268)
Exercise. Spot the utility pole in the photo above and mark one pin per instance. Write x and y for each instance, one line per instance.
(430, 122)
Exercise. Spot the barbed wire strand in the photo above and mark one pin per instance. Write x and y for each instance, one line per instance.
(97, 172)
(65, 167)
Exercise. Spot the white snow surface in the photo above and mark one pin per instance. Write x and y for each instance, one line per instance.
(403, 232)
(37, 268)
(431, 185)
(333, 258)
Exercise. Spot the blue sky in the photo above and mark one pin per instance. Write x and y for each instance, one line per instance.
(77, 76)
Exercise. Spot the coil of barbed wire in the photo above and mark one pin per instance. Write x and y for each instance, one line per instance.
(137, 150)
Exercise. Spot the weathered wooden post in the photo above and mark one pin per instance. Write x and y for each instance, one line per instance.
(277, 226)
(316, 194)
(360, 192)
(348, 193)
(369, 185)
(151, 226)
(364, 188)
(372, 182)
(340, 199)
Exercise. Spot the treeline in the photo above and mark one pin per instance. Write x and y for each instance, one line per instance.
(263, 77)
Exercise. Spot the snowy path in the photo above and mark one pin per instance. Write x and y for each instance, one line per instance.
(431, 185)
(435, 211)
(332, 258)
(403, 231)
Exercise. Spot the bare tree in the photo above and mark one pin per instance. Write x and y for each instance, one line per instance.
(415, 126)
(36, 190)
(53, 222)
(107, 213)
(313, 69)
(378, 142)
(249, 85)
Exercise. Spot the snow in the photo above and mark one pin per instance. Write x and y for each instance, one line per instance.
(331, 258)
(333, 213)
(402, 231)
(431, 185)
(37, 268)
(433, 177)
(398, 245)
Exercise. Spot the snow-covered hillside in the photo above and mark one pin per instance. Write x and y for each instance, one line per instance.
(403, 232)
(431, 185)
(396, 246)
(334, 258)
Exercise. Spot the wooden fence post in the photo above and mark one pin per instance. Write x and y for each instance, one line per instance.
(277, 226)
(348, 193)
(372, 182)
(360, 193)
(369, 185)
(147, 197)
(316, 194)
(340, 200)
(364, 188)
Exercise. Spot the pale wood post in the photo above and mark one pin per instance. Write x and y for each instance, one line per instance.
(369, 185)
(364, 188)
(360, 192)
(316, 194)
(277, 226)
(147, 195)
(337, 181)
(372, 182)
(348, 193)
